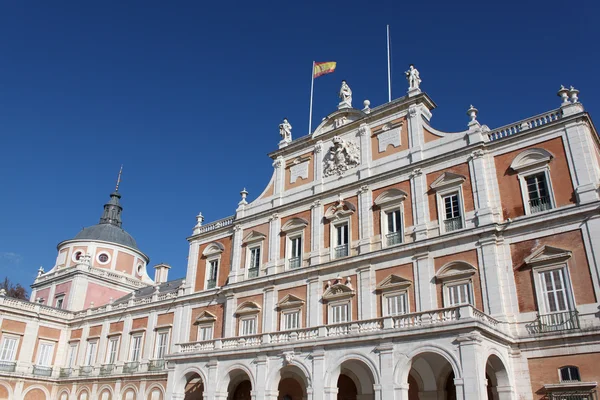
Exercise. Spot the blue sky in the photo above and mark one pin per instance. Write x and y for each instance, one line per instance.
(188, 96)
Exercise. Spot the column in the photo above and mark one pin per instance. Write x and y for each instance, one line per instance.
(236, 256)
(386, 366)
(318, 167)
(426, 298)
(192, 268)
(125, 339)
(314, 308)
(365, 218)
(418, 186)
(278, 183)
(364, 134)
(269, 312)
(210, 391)
(481, 192)
(141, 391)
(229, 317)
(150, 337)
(274, 243)
(171, 391)
(492, 274)
(366, 309)
(317, 229)
(473, 373)
(318, 384)
(94, 393)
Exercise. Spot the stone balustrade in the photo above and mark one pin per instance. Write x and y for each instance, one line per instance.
(216, 225)
(523, 125)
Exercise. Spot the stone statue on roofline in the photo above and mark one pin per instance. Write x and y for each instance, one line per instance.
(285, 130)
(414, 80)
(345, 95)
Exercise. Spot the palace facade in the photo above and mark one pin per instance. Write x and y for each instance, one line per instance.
(385, 259)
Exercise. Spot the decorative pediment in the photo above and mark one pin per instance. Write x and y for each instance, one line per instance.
(290, 301)
(338, 289)
(546, 255)
(247, 307)
(294, 224)
(456, 270)
(389, 197)
(213, 249)
(254, 236)
(205, 317)
(393, 282)
(338, 119)
(447, 179)
(340, 210)
(531, 158)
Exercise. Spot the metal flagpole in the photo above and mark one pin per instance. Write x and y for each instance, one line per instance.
(312, 82)
(389, 68)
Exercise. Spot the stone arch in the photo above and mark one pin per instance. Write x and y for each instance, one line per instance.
(7, 389)
(106, 389)
(153, 388)
(403, 367)
(192, 384)
(353, 369)
(128, 388)
(238, 377)
(499, 385)
(292, 371)
(531, 158)
(232, 373)
(32, 393)
(82, 390)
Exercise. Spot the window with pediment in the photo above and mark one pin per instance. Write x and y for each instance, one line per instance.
(205, 323)
(247, 314)
(394, 295)
(340, 219)
(294, 242)
(391, 206)
(254, 251)
(450, 201)
(338, 296)
(457, 283)
(212, 254)
(290, 308)
(533, 171)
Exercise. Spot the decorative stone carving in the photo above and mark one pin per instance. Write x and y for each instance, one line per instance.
(413, 78)
(412, 111)
(244, 194)
(338, 289)
(315, 204)
(477, 154)
(367, 108)
(285, 130)
(363, 130)
(298, 170)
(273, 217)
(346, 96)
(278, 162)
(342, 156)
(388, 136)
(416, 172)
(341, 121)
(288, 356)
(319, 147)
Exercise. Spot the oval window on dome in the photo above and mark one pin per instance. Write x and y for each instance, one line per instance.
(77, 256)
(139, 269)
(103, 258)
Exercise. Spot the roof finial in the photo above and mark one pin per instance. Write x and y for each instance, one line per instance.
(119, 179)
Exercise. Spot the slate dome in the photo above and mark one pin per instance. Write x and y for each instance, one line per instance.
(108, 233)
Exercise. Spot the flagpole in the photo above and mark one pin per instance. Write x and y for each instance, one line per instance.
(389, 69)
(312, 83)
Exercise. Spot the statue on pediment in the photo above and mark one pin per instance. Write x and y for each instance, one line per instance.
(345, 95)
(285, 130)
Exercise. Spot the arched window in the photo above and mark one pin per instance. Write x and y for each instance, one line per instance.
(569, 374)
(533, 168)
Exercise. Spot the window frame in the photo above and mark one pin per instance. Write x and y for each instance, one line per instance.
(287, 312)
(209, 261)
(61, 298)
(560, 379)
(385, 305)
(90, 356)
(205, 325)
(249, 248)
(531, 162)
(384, 224)
(162, 333)
(441, 196)
(246, 318)
(539, 287)
(15, 349)
(132, 349)
(290, 237)
(458, 282)
(333, 304)
(49, 355)
(333, 237)
(72, 354)
(112, 339)
(523, 175)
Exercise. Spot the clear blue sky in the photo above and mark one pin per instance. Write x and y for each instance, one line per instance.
(188, 96)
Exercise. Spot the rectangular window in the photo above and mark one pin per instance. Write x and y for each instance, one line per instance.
(248, 326)
(213, 269)
(205, 332)
(59, 302)
(339, 313)
(45, 352)
(341, 249)
(459, 294)
(554, 291)
(9, 348)
(394, 227)
(113, 346)
(396, 304)
(90, 354)
(291, 320)
(537, 189)
(72, 355)
(452, 215)
(296, 252)
(161, 344)
(254, 262)
(136, 347)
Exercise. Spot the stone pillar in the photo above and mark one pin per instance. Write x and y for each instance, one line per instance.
(236, 256)
(279, 181)
(317, 230)
(150, 339)
(192, 268)
(416, 138)
(423, 270)
(478, 162)
(401, 391)
(269, 311)
(473, 374)
(318, 384)
(260, 391)
(387, 366)
(141, 391)
(366, 309)
(125, 339)
(591, 233)
(229, 317)
(364, 134)
(212, 375)
(318, 167)
(274, 243)
(418, 186)
(314, 308)
(102, 343)
(365, 219)
(492, 273)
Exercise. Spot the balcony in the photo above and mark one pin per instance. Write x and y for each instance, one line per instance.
(252, 272)
(211, 284)
(86, 370)
(65, 372)
(156, 365)
(131, 367)
(393, 238)
(295, 262)
(42, 370)
(558, 322)
(107, 369)
(341, 251)
(453, 224)
(540, 204)
(7, 366)
(572, 395)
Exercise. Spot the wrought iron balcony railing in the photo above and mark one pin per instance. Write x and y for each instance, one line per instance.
(252, 272)
(453, 224)
(557, 322)
(393, 238)
(341, 251)
(572, 395)
(130, 367)
(42, 370)
(8, 366)
(295, 262)
(211, 284)
(156, 365)
(107, 369)
(540, 204)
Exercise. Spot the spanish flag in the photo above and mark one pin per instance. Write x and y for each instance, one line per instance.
(322, 68)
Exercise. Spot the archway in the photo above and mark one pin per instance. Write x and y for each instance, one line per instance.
(194, 387)
(240, 386)
(292, 384)
(431, 377)
(355, 381)
(498, 383)
(35, 394)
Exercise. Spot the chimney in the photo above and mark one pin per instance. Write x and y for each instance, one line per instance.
(161, 273)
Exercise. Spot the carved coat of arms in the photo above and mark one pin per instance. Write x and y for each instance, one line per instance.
(340, 157)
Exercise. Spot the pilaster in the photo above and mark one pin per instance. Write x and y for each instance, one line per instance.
(103, 342)
(269, 312)
(317, 231)
(314, 307)
(364, 135)
(279, 182)
(473, 375)
(192, 269)
(318, 167)
(418, 186)
(229, 319)
(366, 309)
(318, 366)
(365, 218)
(236, 256)
(150, 336)
(260, 391)
(584, 164)
(125, 339)
(387, 366)
(478, 165)
(274, 243)
(425, 287)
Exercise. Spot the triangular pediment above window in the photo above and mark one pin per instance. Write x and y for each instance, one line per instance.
(340, 210)
(294, 224)
(290, 301)
(547, 255)
(338, 289)
(254, 236)
(213, 248)
(447, 179)
(393, 282)
(389, 197)
(247, 307)
(455, 270)
(205, 317)
(530, 158)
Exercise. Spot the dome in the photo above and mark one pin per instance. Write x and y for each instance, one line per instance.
(108, 233)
